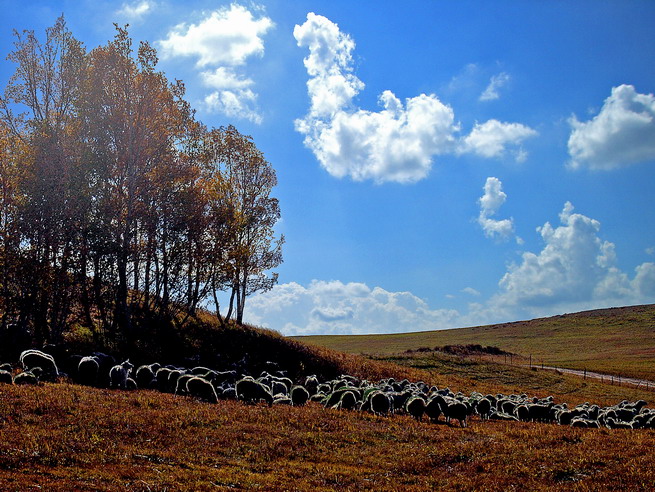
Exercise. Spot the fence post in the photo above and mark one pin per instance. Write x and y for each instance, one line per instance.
(585, 374)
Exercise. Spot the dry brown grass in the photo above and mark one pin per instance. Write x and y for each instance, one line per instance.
(66, 437)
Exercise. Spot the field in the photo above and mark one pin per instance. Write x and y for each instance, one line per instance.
(618, 341)
(63, 437)
(68, 437)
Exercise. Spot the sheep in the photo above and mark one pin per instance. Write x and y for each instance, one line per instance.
(522, 412)
(87, 370)
(6, 367)
(299, 396)
(119, 374)
(5, 377)
(456, 410)
(483, 408)
(181, 384)
(380, 403)
(200, 388)
(27, 377)
(32, 358)
(433, 408)
(250, 391)
(415, 407)
(146, 375)
(502, 416)
(348, 401)
(311, 384)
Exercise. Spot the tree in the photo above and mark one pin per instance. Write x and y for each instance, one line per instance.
(244, 217)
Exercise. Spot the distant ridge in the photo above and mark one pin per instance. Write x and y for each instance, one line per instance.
(617, 340)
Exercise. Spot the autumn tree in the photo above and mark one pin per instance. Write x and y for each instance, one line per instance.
(46, 83)
(116, 205)
(246, 213)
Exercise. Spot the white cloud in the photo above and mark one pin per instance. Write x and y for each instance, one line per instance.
(491, 138)
(135, 10)
(495, 84)
(622, 133)
(396, 143)
(490, 202)
(338, 308)
(223, 42)
(470, 291)
(575, 270)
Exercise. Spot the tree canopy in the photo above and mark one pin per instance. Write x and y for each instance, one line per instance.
(115, 202)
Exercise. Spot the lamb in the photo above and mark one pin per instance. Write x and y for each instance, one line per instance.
(87, 370)
(35, 358)
(311, 384)
(5, 377)
(119, 374)
(6, 367)
(250, 391)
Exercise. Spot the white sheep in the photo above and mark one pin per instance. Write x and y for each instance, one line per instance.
(118, 375)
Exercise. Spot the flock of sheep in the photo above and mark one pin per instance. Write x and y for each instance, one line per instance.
(384, 397)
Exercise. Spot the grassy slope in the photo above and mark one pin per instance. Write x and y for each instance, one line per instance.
(614, 341)
(68, 437)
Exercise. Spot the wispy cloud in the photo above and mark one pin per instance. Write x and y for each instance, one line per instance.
(495, 84)
(135, 10)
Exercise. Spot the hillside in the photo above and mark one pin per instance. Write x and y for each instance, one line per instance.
(618, 341)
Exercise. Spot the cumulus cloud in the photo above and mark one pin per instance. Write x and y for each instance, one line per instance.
(397, 143)
(575, 270)
(136, 10)
(490, 203)
(495, 84)
(222, 43)
(622, 133)
(491, 138)
(335, 307)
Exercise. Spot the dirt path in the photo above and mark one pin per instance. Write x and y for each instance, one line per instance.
(606, 378)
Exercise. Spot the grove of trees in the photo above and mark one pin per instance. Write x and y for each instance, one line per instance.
(116, 204)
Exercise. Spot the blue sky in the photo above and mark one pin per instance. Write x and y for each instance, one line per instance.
(440, 164)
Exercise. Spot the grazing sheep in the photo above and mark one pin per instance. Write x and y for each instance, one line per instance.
(380, 403)
(250, 391)
(299, 396)
(502, 416)
(27, 377)
(146, 375)
(6, 367)
(311, 384)
(30, 359)
(5, 377)
(483, 408)
(415, 407)
(200, 388)
(456, 410)
(348, 401)
(87, 370)
(119, 374)
(181, 384)
(522, 412)
(433, 408)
